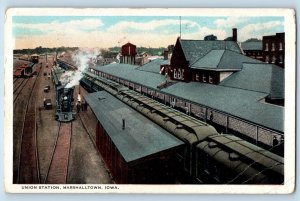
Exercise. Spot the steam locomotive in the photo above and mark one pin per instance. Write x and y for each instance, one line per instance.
(64, 104)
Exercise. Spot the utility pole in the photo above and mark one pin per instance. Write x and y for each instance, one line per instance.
(180, 26)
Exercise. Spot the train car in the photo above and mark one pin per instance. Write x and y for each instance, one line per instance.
(227, 159)
(30, 70)
(64, 104)
(34, 58)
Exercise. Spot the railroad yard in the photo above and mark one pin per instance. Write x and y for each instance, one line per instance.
(46, 151)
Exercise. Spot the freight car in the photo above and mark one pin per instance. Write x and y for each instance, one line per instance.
(25, 70)
(64, 104)
(34, 58)
(244, 162)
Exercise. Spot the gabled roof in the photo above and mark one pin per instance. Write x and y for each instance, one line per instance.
(260, 77)
(252, 45)
(223, 59)
(140, 138)
(153, 66)
(196, 49)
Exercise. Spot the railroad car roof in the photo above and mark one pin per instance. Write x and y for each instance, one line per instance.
(140, 138)
(243, 149)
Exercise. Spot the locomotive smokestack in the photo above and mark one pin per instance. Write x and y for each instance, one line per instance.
(123, 124)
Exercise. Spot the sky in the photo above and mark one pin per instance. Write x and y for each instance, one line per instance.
(146, 31)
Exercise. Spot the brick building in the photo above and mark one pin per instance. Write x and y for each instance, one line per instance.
(273, 47)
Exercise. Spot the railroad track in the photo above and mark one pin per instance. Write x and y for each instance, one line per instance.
(28, 169)
(58, 169)
(18, 83)
(17, 92)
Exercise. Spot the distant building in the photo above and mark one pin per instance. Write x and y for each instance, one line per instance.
(253, 48)
(128, 52)
(273, 47)
(210, 37)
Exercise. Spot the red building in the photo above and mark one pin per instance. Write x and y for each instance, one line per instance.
(128, 52)
(273, 47)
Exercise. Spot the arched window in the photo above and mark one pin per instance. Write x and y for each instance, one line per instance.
(267, 47)
(197, 77)
(210, 79)
(175, 73)
(203, 78)
(280, 46)
(273, 59)
(273, 46)
(179, 73)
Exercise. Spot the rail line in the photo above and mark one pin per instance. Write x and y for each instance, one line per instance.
(58, 169)
(28, 169)
(18, 83)
(17, 92)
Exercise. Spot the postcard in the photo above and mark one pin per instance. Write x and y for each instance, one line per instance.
(150, 100)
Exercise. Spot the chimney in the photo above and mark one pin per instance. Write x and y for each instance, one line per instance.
(123, 124)
(234, 34)
(166, 54)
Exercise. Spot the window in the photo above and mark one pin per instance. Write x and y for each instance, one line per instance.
(273, 59)
(175, 73)
(210, 79)
(203, 78)
(280, 46)
(267, 47)
(267, 59)
(182, 74)
(280, 59)
(273, 46)
(197, 77)
(179, 73)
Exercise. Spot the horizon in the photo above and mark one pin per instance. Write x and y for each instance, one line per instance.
(143, 31)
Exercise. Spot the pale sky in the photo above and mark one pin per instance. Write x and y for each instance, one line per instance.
(147, 31)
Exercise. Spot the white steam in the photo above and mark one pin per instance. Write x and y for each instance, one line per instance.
(83, 59)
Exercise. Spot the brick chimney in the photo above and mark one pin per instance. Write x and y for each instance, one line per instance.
(234, 34)
(166, 54)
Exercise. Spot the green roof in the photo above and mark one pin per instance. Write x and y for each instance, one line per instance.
(252, 45)
(153, 66)
(262, 77)
(140, 138)
(129, 72)
(196, 49)
(223, 59)
(233, 101)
